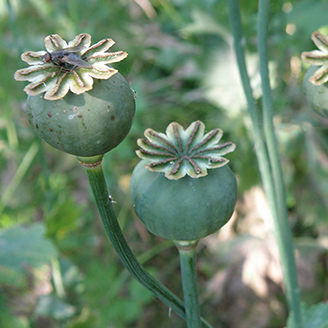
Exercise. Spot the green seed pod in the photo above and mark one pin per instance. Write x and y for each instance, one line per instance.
(182, 189)
(184, 209)
(317, 95)
(88, 124)
(77, 102)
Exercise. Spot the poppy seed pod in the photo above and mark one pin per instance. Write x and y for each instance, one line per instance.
(185, 209)
(77, 102)
(316, 77)
(317, 95)
(89, 124)
(182, 189)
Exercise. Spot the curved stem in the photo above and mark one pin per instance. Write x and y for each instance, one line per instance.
(187, 254)
(282, 228)
(103, 201)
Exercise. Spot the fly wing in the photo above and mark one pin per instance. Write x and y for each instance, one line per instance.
(75, 60)
(74, 49)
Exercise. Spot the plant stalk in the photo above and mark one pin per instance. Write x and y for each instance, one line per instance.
(267, 151)
(187, 253)
(103, 200)
(282, 228)
(253, 110)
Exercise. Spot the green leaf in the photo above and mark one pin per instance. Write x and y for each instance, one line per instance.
(12, 277)
(21, 246)
(204, 23)
(7, 320)
(63, 218)
(50, 306)
(315, 316)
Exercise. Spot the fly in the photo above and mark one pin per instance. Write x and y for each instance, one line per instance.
(67, 58)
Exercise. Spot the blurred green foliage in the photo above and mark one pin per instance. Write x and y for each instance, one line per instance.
(57, 268)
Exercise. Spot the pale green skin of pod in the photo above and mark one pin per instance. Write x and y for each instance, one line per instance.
(317, 95)
(89, 124)
(185, 209)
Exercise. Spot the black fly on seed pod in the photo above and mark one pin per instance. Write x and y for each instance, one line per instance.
(67, 66)
(75, 77)
(66, 56)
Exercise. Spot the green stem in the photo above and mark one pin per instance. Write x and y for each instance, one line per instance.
(282, 228)
(187, 252)
(260, 146)
(267, 151)
(103, 201)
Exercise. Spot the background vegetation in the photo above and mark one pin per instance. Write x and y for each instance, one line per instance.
(57, 268)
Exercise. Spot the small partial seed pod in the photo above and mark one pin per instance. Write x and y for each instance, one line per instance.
(317, 95)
